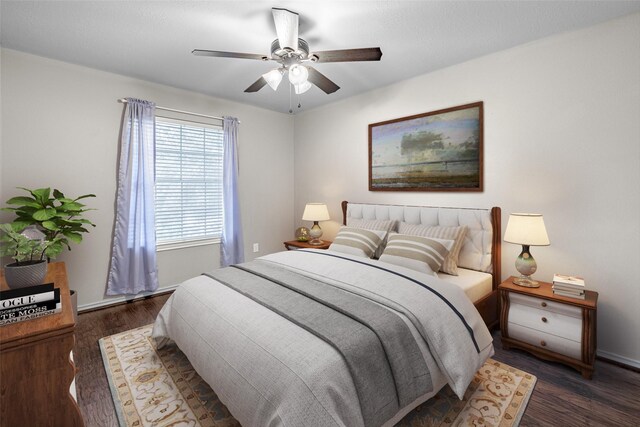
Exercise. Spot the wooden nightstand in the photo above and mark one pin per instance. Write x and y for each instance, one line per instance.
(550, 326)
(295, 244)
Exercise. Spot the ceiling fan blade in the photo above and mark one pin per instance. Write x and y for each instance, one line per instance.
(348, 55)
(257, 85)
(221, 54)
(286, 27)
(320, 80)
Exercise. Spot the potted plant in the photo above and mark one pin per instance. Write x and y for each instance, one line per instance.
(57, 217)
(29, 266)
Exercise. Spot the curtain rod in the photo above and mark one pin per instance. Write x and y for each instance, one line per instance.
(124, 101)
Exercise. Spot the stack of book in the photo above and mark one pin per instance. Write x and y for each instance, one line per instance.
(568, 286)
(21, 304)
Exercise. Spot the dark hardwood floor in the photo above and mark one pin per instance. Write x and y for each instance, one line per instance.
(561, 396)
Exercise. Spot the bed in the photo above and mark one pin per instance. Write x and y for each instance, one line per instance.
(323, 338)
(480, 255)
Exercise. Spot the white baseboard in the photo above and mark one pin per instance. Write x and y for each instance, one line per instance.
(620, 359)
(116, 300)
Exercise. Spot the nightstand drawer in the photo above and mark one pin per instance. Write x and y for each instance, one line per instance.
(546, 305)
(546, 321)
(547, 341)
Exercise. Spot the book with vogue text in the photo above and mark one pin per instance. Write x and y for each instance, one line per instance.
(25, 296)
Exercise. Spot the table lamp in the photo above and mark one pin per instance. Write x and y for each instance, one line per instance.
(526, 229)
(315, 212)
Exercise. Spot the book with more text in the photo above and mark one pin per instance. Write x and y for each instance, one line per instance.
(31, 313)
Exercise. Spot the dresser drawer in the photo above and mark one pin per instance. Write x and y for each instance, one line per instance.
(545, 340)
(550, 322)
(545, 305)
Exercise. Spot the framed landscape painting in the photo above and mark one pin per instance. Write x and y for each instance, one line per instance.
(436, 151)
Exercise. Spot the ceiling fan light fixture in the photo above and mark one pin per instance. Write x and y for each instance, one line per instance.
(298, 74)
(302, 87)
(290, 52)
(273, 78)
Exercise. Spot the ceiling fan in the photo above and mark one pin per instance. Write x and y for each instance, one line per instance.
(294, 57)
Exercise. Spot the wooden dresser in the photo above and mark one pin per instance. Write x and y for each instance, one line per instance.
(550, 326)
(35, 366)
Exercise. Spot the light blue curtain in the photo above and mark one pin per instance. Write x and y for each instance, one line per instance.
(133, 254)
(232, 249)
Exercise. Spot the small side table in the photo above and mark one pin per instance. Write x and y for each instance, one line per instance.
(295, 244)
(550, 326)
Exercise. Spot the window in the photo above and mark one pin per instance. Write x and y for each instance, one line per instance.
(188, 183)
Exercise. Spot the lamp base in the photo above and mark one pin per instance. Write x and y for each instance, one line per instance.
(315, 233)
(526, 281)
(526, 266)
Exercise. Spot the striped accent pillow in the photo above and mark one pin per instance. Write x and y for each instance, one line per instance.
(457, 234)
(387, 225)
(423, 254)
(357, 241)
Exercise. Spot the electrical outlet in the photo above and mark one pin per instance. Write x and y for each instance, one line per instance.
(256, 247)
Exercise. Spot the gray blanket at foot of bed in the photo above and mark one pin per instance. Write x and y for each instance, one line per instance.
(386, 364)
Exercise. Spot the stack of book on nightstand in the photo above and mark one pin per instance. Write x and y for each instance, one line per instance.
(21, 304)
(568, 286)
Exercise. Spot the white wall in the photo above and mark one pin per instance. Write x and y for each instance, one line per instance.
(562, 137)
(60, 129)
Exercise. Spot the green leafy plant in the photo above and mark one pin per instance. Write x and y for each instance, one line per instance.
(25, 250)
(60, 218)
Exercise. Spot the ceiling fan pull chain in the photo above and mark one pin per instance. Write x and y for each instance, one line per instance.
(290, 108)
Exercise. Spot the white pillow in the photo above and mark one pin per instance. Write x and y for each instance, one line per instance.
(357, 241)
(457, 234)
(418, 253)
(387, 225)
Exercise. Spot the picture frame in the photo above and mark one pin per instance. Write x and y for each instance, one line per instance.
(436, 151)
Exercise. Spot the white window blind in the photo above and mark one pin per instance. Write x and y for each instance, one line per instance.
(188, 182)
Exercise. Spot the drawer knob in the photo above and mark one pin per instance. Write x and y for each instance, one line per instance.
(544, 320)
(544, 304)
(543, 343)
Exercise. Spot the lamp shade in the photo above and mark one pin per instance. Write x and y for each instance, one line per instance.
(315, 212)
(302, 87)
(273, 78)
(298, 74)
(526, 229)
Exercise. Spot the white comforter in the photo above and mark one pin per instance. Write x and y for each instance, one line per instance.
(271, 372)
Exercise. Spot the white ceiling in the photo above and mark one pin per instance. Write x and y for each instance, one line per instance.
(152, 40)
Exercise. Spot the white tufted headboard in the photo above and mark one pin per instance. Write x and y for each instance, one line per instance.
(481, 249)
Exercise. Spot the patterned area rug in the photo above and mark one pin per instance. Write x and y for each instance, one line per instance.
(153, 387)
